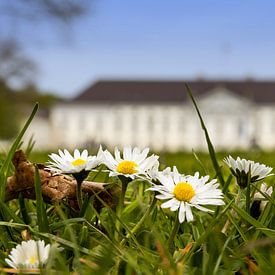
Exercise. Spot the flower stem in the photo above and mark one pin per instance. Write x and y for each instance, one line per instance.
(124, 184)
(173, 234)
(80, 177)
(79, 195)
(233, 213)
(247, 200)
(123, 192)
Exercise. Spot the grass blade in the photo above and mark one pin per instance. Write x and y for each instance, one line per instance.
(258, 225)
(9, 213)
(23, 209)
(199, 161)
(209, 143)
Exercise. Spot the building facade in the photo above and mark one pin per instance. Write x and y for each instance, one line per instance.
(238, 115)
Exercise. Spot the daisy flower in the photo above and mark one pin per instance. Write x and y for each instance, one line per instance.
(131, 164)
(240, 168)
(65, 163)
(29, 255)
(185, 192)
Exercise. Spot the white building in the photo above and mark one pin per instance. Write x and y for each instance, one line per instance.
(159, 114)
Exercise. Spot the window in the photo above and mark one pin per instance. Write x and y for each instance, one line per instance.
(150, 123)
(82, 122)
(181, 123)
(118, 122)
(241, 128)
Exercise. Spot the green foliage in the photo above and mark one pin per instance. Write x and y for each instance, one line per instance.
(30, 94)
(8, 119)
(15, 104)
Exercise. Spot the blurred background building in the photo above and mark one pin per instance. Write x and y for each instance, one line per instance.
(159, 114)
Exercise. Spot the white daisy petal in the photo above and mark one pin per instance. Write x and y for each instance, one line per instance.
(260, 197)
(168, 204)
(182, 212)
(136, 152)
(76, 154)
(117, 155)
(142, 156)
(109, 160)
(176, 175)
(149, 163)
(11, 263)
(210, 202)
(153, 173)
(67, 155)
(56, 158)
(167, 181)
(164, 197)
(189, 215)
(127, 153)
(204, 209)
(176, 205)
(84, 154)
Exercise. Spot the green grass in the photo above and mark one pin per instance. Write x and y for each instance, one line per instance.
(136, 239)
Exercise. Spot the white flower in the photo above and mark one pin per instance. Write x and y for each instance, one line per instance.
(240, 168)
(67, 164)
(259, 197)
(133, 163)
(29, 255)
(185, 192)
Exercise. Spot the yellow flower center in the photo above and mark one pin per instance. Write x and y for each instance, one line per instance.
(78, 162)
(127, 167)
(183, 191)
(32, 260)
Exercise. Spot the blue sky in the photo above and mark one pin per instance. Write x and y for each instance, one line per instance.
(156, 39)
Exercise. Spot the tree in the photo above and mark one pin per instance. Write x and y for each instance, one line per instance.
(14, 64)
(8, 119)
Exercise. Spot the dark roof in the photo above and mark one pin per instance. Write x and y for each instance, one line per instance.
(172, 91)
